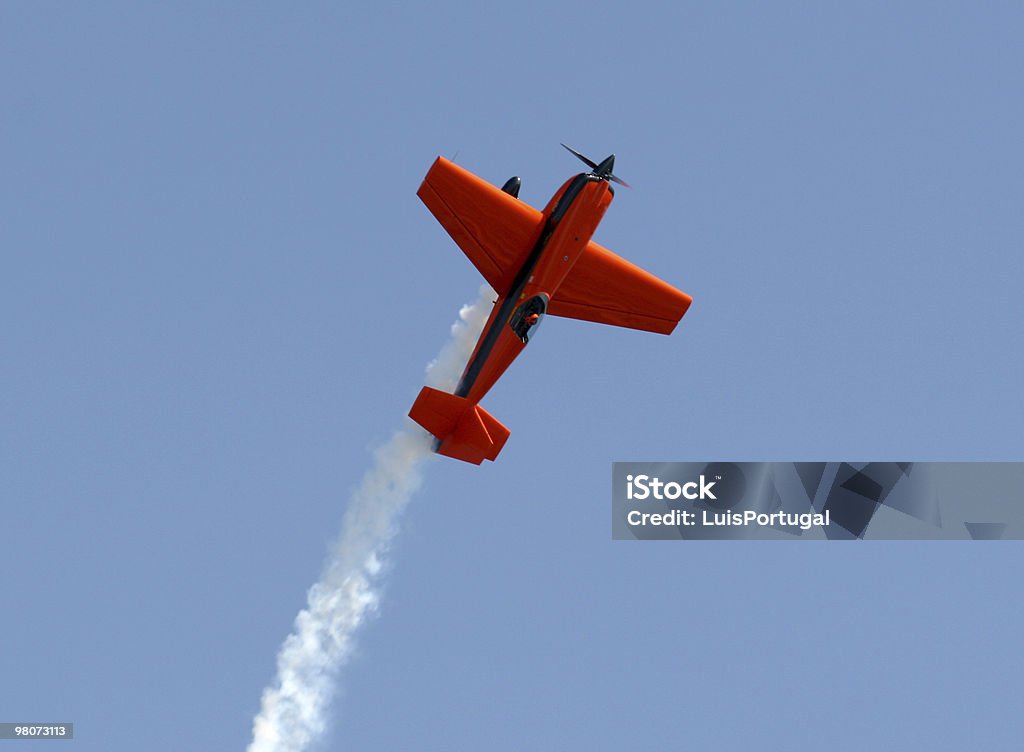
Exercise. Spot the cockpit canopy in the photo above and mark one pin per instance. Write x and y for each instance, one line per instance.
(527, 317)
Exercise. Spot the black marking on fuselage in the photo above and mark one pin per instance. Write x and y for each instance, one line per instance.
(519, 283)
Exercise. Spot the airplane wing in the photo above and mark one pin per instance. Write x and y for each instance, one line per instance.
(495, 230)
(607, 289)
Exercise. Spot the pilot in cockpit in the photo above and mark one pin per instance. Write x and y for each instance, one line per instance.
(526, 323)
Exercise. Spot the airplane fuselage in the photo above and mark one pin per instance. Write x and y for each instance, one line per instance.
(570, 219)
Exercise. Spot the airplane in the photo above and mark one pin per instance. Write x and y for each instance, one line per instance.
(539, 263)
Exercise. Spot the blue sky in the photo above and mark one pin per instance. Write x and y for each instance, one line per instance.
(219, 292)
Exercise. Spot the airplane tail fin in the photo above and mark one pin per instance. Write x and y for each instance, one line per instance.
(464, 430)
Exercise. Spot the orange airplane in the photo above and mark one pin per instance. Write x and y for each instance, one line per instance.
(539, 263)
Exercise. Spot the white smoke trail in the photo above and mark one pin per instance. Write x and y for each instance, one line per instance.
(293, 710)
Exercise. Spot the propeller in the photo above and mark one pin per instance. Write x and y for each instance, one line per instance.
(603, 170)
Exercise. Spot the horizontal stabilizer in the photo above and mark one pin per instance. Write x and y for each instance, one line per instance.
(463, 430)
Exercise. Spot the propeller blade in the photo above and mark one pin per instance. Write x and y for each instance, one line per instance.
(587, 162)
(594, 166)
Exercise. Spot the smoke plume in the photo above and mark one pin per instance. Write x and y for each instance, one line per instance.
(293, 712)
